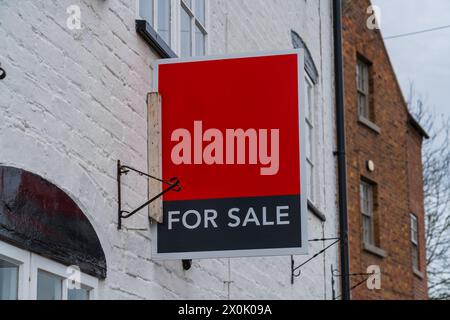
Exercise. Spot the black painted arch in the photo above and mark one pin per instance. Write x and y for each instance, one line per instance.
(37, 216)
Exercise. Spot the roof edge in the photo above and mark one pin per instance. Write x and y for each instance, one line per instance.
(416, 125)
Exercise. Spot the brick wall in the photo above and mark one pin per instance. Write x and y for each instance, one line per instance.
(74, 102)
(396, 153)
(416, 206)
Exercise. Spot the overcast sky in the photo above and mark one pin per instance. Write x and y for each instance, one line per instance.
(424, 58)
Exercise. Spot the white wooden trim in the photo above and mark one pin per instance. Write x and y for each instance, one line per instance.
(29, 264)
(155, 15)
(59, 270)
(137, 13)
(310, 88)
(22, 258)
(174, 25)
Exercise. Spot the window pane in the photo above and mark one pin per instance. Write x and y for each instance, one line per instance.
(362, 76)
(414, 230)
(368, 230)
(365, 201)
(146, 10)
(365, 78)
(49, 286)
(200, 11)
(186, 39)
(362, 106)
(78, 294)
(358, 76)
(164, 20)
(199, 42)
(9, 276)
(362, 80)
(415, 236)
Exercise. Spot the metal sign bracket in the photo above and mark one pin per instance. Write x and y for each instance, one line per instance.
(296, 271)
(2, 73)
(172, 185)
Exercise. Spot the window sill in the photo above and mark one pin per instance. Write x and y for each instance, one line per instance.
(418, 274)
(369, 124)
(315, 211)
(155, 41)
(375, 250)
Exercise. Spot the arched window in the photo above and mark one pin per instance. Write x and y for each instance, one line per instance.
(310, 67)
(311, 80)
(48, 248)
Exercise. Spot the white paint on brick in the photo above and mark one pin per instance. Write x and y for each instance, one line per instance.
(73, 103)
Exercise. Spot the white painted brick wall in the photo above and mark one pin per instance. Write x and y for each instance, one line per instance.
(74, 102)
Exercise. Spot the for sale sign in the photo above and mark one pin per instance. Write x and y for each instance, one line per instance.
(231, 131)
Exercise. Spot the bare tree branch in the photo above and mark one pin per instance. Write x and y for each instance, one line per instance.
(436, 166)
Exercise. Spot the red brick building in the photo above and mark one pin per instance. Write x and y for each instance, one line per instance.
(385, 181)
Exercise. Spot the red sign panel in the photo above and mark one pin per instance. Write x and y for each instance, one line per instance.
(231, 134)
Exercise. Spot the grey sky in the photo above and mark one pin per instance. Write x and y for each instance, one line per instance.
(424, 58)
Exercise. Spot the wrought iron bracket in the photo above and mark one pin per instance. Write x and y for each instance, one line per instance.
(172, 185)
(2, 73)
(335, 274)
(187, 264)
(296, 271)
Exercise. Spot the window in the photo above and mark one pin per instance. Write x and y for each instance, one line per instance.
(25, 275)
(310, 143)
(9, 275)
(146, 11)
(49, 286)
(415, 242)
(193, 31)
(186, 34)
(367, 213)
(362, 79)
(311, 79)
(81, 293)
(158, 14)
(310, 66)
(163, 18)
(180, 23)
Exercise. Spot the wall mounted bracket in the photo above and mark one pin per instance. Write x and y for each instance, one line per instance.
(335, 273)
(296, 271)
(2, 73)
(172, 185)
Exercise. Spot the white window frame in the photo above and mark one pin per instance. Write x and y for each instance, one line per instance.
(310, 118)
(175, 23)
(29, 264)
(22, 259)
(61, 271)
